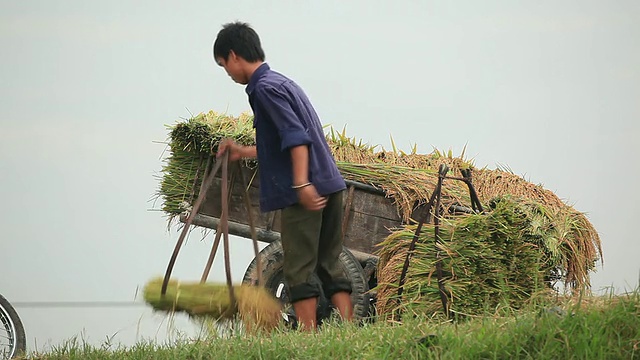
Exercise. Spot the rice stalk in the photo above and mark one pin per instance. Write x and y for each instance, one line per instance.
(256, 307)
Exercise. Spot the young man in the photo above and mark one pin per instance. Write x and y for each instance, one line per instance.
(298, 174)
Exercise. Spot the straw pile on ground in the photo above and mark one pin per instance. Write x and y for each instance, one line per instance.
(526, 242)
(256, 307)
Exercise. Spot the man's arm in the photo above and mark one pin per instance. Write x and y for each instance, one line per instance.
(300, 164)
(236, 151)
(307, 193)
(249, 152)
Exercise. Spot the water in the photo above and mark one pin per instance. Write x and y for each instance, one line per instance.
(47, 328)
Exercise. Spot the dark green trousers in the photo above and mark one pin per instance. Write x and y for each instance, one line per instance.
(312, 243)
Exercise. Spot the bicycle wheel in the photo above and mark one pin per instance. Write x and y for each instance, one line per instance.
(12, 337)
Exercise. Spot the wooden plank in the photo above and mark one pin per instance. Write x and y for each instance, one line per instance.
(367, 231)
(375, 205)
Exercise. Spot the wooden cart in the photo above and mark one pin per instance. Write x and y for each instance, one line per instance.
(368, 216)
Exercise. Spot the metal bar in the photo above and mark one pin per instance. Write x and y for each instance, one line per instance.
(436, 222)
(365, 187)
(252, 225)
(214, 247)
(206, 183)
(212, 254)
(195, 180)
(475, 201)
(224, 219)
(455, 178)
(425, 218)
(235, 228)
(457, 209)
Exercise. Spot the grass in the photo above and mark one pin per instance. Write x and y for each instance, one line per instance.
(606, 327)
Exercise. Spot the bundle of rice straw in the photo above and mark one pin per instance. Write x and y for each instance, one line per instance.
(561, 240)
(191, 142)
(256, 307)
(499, 259)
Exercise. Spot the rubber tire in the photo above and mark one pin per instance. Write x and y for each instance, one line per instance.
(272, 257)
(20, 338)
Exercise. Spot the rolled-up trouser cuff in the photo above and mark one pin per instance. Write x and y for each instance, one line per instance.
(303, 291)
(337, 285)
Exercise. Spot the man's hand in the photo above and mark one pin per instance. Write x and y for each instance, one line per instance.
(236, 152)
(309, 198)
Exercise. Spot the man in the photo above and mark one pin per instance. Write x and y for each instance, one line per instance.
(298, 174)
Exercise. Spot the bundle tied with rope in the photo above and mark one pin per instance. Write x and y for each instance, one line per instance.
(254, 305)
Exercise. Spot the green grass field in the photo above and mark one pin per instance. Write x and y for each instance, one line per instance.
(605, 327)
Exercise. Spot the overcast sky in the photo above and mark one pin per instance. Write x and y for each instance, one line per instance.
(549, 88)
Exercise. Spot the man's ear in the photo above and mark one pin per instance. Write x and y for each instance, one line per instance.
(232, 56)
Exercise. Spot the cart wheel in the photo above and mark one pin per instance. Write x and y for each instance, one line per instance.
(272, 258)
(12, 337)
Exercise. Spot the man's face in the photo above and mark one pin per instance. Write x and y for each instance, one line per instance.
(233, 68)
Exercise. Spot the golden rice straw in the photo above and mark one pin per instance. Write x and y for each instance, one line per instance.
(257, 308)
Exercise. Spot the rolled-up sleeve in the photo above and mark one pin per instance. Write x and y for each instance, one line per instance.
(291, 128)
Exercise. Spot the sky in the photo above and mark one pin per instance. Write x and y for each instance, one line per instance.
(550, 89)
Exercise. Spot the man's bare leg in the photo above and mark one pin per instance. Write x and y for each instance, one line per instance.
(306, 312)
(342, 301)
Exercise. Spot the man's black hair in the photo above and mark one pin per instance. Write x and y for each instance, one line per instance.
(240, 38)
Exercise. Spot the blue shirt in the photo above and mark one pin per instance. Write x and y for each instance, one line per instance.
(284, 118)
